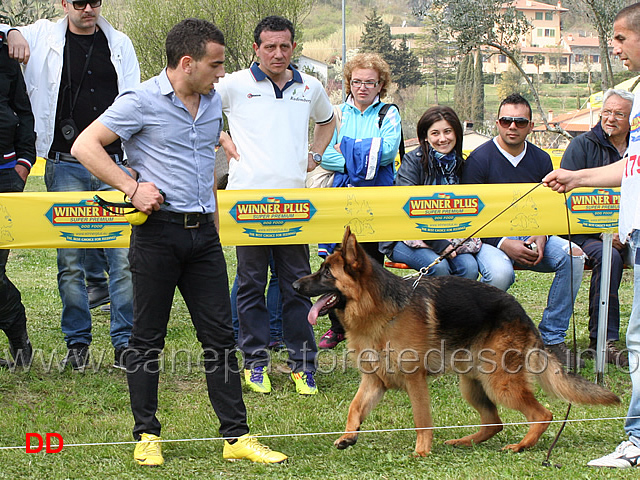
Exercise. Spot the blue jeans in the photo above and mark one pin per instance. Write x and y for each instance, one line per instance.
(495, 267)
(632, 425)
(95, 267)
(274, 305)
(463, 265)
(76, 317)
(557, 314)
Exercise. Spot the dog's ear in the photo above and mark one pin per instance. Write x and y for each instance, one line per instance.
(352, 253)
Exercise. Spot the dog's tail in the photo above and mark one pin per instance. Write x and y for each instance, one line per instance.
(568, 386)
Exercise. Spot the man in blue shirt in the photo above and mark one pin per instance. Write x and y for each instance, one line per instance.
(510, 158)
(169, 126)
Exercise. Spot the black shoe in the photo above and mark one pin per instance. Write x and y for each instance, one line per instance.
(98, 295)
(119, 355)
(19, 346)
(613, 355)
(564, 355)
(77, 357)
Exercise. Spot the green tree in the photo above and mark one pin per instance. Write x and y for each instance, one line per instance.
(461, 87)
(434, 51)
(376, 38)
(600, 14)
(491, 23)
(538, 61)
(147, 24)
(405, 66)
(477, 94)
(25, 12)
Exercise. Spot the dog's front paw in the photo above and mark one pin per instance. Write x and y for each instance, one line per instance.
(346, 441)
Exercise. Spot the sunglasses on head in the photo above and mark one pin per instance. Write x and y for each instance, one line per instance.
(83, 5)
(521, 122)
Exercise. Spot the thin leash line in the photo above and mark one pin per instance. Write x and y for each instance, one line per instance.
(423, 271)
(340, 432)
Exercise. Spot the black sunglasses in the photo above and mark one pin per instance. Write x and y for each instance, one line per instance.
(83, 5)
(521, 122)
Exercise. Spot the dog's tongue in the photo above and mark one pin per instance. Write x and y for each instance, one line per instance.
(315, 309)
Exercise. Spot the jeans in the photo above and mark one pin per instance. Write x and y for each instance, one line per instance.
(495, 267)
(164, 256)
(76, 317)
(592, 247)
(557, 314)
(632, 425)
(274, 305)
(95, 267)
(11, 307)
(291, 262)
(463, 265)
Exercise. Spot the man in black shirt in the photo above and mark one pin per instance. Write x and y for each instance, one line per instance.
(76, 67)
(17, 155)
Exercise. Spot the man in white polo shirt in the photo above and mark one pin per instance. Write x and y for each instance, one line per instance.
(269, 107)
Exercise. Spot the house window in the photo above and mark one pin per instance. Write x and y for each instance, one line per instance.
(548, 15)
(529, 59)
(502, 59)
(563, 61)
(540, 32)
(549, 32)
(595, 58)
(579, 58)
(538, 15)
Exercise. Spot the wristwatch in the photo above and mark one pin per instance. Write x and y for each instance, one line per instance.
(316, 157)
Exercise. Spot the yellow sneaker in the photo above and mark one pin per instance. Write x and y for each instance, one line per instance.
(148, 451)
(250, 448)
(258, 380)
(305, 383)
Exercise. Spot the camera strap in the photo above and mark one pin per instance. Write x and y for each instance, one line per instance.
(72, 103)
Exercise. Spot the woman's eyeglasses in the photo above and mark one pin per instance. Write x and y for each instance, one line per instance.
(521, 122)
(360, 83)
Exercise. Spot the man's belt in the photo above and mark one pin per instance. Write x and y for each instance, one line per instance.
(188, 220)
(67, 157)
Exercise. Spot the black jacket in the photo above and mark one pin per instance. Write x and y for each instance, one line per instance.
(16, 119)
(589, 150)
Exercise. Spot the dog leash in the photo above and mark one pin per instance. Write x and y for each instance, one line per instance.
(547, 461)
(424, 270)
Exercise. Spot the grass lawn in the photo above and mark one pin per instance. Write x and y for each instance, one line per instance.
(94, 408)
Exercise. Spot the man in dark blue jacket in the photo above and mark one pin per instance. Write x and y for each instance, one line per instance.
(603, 144)
(17, 155)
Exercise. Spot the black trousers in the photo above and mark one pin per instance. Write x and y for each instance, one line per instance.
(164, 256)
(291, 262)
(11, 307)
(593, 248)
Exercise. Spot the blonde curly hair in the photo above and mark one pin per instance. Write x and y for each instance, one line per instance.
(371, 61)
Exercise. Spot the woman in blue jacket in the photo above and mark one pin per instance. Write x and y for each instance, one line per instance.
(364, 144)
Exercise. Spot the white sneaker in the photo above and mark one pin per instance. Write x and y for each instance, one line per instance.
(624, 456)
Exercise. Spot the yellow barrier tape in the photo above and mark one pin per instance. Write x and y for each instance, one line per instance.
(258, 217)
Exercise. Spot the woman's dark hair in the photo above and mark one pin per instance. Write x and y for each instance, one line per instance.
(433, 115)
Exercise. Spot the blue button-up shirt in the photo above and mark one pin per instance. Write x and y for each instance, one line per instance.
(166, 145)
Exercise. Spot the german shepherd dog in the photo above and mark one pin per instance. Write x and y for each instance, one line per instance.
(403, 334)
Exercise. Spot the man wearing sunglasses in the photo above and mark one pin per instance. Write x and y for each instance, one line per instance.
(74, 69)
(604, 144)
(510, 158)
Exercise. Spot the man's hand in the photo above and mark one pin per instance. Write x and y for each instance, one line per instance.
(229, 147)
(522, 252)
(311, 164)
(562, 180)
(23, 172)
(18, 47)
(617, 244)
(146, 197)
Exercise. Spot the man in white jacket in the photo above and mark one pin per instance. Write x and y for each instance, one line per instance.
(74, 70)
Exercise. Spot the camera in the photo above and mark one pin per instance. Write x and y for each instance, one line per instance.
(69, 130)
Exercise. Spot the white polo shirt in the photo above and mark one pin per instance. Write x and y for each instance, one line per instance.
(270, 127)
